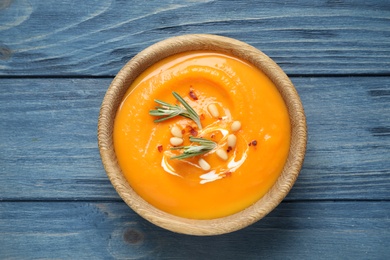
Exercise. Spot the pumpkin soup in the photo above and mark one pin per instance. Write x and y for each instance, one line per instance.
(202, 135)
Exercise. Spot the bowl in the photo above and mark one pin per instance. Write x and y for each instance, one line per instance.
(193, 42)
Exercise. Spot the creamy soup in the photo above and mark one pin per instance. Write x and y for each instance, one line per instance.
(242, 121)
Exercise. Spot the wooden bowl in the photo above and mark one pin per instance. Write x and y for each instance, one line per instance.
(179, 44)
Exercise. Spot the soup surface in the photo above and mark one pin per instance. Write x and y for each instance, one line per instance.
(240, 111)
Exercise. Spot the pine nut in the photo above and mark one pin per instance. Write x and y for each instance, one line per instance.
(231, 140)
(176, 132)
(204, 165)
(213, 110)
(175, 141)
(236, 125)
(222, 154)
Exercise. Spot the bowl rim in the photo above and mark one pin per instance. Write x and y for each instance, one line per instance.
(202, 42)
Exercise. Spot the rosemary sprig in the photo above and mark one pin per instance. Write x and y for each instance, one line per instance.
(167, 111)
(194, 150)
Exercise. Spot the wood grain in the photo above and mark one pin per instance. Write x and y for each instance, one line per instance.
(338, 208)
(98, 37)
(48, 143)
(69, 230)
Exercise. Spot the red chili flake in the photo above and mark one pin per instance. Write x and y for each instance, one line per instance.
(212, 136)
(228, 174)
(229, 149)
(183, 131)
(249, 144)
(193, 95)
(202, 116)
(160, 148)
(193, 132)
(188, 127)
(254, 142)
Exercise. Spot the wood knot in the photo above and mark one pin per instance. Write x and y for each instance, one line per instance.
(5, 52)
(133, 236)
(5, 4)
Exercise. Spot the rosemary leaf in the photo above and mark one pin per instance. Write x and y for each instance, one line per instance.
(204, 146)
(167, 111)
(191, 112)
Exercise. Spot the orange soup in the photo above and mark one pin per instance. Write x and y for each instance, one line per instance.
(240, 112)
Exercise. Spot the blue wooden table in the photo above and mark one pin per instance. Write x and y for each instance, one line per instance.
(57, 59)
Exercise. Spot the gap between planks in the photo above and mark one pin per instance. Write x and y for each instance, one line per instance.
(347, 75)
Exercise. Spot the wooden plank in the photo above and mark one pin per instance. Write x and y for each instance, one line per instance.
(98, 37)
(48, 143)
(325, 230)
(48, 139)
(348, 152)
